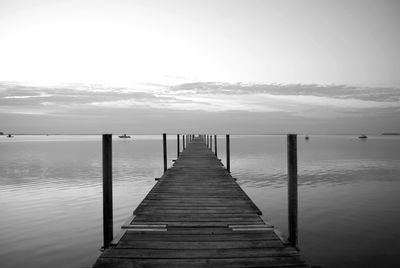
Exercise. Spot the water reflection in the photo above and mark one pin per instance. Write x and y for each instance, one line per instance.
(50, 193)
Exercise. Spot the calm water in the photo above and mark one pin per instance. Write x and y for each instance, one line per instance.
(50, 194)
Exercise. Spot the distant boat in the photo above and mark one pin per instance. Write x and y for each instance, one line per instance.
(124, 136)
(10, 136)
(362, 137)
(307, 138)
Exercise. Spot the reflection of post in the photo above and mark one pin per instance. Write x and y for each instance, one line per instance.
(107, 190)
(178, 147)
(292, 187)
(215, 145)
(165, 150)
(228, 157)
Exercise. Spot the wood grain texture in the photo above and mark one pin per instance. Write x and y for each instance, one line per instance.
(210, 222)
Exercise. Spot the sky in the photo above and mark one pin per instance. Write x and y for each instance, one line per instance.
(95, 66)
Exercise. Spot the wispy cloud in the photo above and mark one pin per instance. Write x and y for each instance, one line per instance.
(41, 95)
(300, 100)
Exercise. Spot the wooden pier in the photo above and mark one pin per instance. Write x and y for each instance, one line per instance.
(198, 216)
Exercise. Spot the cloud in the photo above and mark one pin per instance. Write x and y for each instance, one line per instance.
(388, 94)
(41, 95)
(217, 107)
(300, 100)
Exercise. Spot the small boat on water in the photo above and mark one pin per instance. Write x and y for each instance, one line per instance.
(10, 136)
(307, 138)
(362, 136)
(124, 136)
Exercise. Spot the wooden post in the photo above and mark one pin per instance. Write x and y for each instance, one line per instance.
(165, 150)
(207, 143)
(183, 142)
(107, 190)
(228, 157)
(292, 188)
(178, 145)
(215, 145)
(211, 138)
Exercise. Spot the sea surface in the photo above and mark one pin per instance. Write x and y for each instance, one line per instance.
(51, 194)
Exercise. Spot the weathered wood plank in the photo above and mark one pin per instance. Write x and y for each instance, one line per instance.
(199, 244)
(200, 224)
(236, 236)
(282, 262)
(199, 253)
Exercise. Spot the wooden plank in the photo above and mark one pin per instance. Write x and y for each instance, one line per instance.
(283, 262)
(199, 224)
(236, 236)
(199, 244)
(117, 238)
(198, 253)
(194, 210)
(216, 218)
(214, 231)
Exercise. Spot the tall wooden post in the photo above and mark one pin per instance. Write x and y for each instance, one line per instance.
(215, 146)
(165, 150)
(211, 142)
(183, 142)
(178, 147)
(208, 141)
(107, 190)
(292, 188)
(228, 157)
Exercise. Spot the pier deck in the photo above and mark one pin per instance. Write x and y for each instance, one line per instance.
(198, 216)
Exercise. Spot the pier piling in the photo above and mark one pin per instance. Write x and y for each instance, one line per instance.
(107, 191)
(228, 157)
(165, 151)
(177, 145)
(292, 188)
(215, 146)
